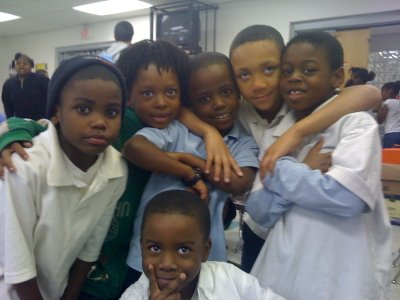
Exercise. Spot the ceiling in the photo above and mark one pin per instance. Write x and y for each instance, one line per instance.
(44, 15)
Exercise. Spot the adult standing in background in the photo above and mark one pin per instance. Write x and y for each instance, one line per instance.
(25, 95)
(123, 33)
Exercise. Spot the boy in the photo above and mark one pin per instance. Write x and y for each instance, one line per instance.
(214, 99)
(56, 210)
(175, 244)
(332, 236)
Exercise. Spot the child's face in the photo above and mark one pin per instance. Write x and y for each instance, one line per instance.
(387, 93)
(155, 97)
(256, 67)
(22, 66)
(174, 244)
(89, 118)
(213, 96)
(307, 79)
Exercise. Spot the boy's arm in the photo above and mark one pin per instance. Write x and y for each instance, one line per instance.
(77, 277)
(146, 155)
(382, 113)
(28, 290)
(5, 97)
(218, 153)
(238, 185)
(13, 133)
(297, 183)
(349, 100)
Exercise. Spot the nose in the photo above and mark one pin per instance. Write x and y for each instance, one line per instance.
(258, 82)
(160, 101)
(168, 262)
(295, 76)
(218, 102)
(98, 121)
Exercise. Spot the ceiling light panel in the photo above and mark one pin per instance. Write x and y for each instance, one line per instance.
(110, 7)
(7, 17)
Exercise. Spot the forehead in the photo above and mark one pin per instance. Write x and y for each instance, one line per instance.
(255, 53)
(172, 227)
(152, 74)
(305, 51)
(217, 71)
(23, 59)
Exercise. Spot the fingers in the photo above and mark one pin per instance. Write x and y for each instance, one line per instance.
(19, 149)
(217, 168)
(152, 279)
(267, 164)
(318, 146)
(6, 159)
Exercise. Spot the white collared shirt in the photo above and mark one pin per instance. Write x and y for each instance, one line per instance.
(49, 216)
(217, 281)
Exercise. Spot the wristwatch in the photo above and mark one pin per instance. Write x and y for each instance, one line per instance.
(195, 179)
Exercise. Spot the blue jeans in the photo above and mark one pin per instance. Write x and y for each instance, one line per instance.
(390, 139)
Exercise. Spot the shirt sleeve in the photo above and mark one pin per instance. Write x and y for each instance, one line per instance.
(137, 291)
(18, 219)
(5, 97)
(264, 206)
(297, 183)
(165, 139)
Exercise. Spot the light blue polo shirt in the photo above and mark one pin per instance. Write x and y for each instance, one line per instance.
(177, 138)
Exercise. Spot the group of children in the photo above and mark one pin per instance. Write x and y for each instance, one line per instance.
(169, 234)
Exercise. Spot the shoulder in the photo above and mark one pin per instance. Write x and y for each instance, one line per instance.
(137, 291)
(357, 119)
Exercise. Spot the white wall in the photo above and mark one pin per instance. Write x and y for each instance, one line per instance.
(231, 18)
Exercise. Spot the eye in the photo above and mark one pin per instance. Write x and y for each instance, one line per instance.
(269, 69)
(286, 71)
(243, 76)
(183, 250)
(147, 93)
(83, 109)
(172, 92)
(310, 70)
(204, 99)
(112, 112)
(154, 249)
(226, 92)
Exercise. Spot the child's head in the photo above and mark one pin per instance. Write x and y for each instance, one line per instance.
(255, 54)
(23, 64)
(86, 101)
(213, 93)
(123, 31)
(175, 238)
(156, 74)
(360, 76)
(390, 90)
(312, 69)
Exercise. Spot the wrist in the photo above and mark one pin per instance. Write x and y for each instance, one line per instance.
(195, 177)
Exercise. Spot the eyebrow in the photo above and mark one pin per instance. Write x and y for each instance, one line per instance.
(180, 243)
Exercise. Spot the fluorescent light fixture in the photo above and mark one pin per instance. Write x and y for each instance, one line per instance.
(110, 7)
(7, 17)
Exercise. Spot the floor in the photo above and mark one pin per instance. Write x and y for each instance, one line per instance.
(233, 240)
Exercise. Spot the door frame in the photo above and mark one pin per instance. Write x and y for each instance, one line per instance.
(347, 22)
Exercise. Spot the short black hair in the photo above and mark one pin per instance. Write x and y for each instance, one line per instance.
(324, 40)
(206, 59)
(123, 31)
(257, 33)
(180, 202)
(393, 86)
(165, 55)
(363, 74)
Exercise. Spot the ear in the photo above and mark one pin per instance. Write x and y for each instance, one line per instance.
(206, 250)
(130, 102)
(337, 78)
(55, 119)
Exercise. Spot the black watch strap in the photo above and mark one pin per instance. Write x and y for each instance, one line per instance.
(195, 179)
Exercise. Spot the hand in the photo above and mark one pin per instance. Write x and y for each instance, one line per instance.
(288, 142)
(201, 189)
(218, 155)
(170, 292)
(5, 158)
(317, 160)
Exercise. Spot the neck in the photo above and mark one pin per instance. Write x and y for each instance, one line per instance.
(301, 114)
(271, 113)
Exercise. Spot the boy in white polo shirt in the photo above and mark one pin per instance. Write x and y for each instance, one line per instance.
(56, 210)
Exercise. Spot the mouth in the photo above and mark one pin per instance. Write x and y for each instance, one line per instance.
(223, 116)
(97, 140)
(160, 117)
(294, 94)
(163, 282)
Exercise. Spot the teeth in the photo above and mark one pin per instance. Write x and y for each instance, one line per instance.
(296, 92)
(224, 116)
